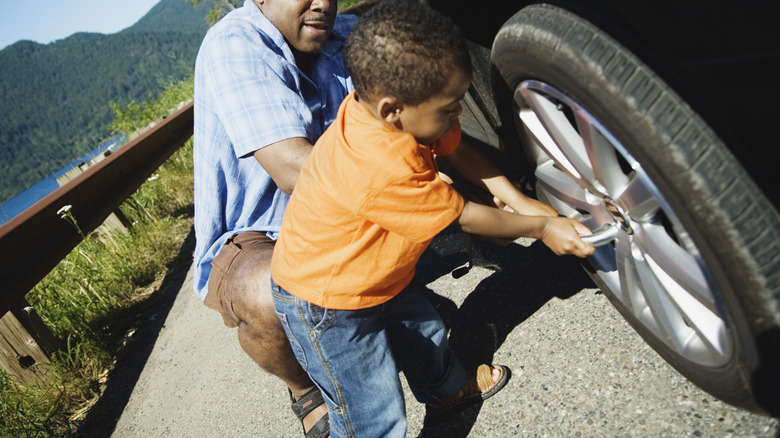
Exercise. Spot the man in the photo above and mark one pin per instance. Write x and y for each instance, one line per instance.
(268, 80)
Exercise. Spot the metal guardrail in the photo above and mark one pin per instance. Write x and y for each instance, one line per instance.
(35, 241)
(32, 243)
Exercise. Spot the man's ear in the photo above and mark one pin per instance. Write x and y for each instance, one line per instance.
(389, 109)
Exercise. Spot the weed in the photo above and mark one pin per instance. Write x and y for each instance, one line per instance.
(85, 300)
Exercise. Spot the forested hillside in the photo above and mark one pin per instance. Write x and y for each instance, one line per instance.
(54, 98)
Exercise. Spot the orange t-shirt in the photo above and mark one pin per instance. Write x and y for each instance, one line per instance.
(367, 203)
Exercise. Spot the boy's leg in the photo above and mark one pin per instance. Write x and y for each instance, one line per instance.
(347, 354)
(436, 377)
(419, 341)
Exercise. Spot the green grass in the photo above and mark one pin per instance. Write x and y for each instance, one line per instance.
(91, 298)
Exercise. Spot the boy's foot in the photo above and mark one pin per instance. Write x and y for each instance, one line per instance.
(311, 410)
(482, 383)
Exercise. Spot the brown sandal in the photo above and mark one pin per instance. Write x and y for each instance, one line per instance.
(479, 387)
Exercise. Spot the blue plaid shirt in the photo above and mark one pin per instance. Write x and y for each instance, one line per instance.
(249, 94)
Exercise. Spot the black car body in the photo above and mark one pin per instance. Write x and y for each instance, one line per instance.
(677, 102)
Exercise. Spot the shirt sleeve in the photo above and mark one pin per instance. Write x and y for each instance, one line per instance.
(449, 143)
(417, 207)
(255, 92)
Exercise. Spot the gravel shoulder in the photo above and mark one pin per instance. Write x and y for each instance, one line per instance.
(578, 369)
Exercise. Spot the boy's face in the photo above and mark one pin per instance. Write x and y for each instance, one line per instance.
(433, 118)
(305, 24)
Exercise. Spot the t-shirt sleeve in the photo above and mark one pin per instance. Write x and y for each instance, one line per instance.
(417, 207)
(256, 93)
(449, 143)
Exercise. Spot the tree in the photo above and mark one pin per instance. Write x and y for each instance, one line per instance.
(220, 8)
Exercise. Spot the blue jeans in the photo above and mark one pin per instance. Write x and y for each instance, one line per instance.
(354, 357)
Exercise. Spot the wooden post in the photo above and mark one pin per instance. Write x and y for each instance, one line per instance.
(35, 240)
(25, 342)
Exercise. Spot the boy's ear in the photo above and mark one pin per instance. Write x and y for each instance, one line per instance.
(389, 109)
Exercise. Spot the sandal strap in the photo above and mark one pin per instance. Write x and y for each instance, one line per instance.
(482, 382)
(321, 429)
(479, 387)
(307, 403)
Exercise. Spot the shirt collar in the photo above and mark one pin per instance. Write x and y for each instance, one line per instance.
(268, 29)
(341, 27)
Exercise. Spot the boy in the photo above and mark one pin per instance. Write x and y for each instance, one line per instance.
(366, 205)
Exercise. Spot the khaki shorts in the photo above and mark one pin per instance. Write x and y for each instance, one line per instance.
(237, 251)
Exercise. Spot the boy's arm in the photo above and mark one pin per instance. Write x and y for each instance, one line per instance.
(476, 168)
(560, 234)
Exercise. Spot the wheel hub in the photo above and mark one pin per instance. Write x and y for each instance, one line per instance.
(619, 215)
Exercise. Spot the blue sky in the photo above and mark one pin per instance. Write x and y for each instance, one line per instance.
(45, 21)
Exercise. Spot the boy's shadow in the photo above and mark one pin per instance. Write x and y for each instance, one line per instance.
(524, 279)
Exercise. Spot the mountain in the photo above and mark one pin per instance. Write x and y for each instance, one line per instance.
(175, 15)
(54, 98)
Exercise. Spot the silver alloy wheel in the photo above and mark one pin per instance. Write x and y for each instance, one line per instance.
(652, 266)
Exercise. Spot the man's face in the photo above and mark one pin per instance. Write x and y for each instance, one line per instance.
(305, 24)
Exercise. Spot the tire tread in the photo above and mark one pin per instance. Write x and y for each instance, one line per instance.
(725, 201)
(721, 181)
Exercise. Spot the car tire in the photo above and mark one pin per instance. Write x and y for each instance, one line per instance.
(695, 264)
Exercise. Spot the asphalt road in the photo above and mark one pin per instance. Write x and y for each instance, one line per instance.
(579, 369)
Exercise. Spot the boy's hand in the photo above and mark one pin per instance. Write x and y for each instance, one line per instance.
(562, 236)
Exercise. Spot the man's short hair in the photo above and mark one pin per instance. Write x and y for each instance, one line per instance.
(404, 49)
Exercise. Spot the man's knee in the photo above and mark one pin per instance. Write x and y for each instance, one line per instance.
(252, 300)
(239, 286)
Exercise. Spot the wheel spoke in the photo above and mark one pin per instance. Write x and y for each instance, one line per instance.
(562, 187)
(555, 134)
(705, 324)
(652, 267)
(637, 200)
(675, 264)
(601, 153)
(628, 276)
(652, 291)
(668, 308)
(543, 139)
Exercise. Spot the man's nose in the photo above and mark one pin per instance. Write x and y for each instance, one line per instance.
(321, 5)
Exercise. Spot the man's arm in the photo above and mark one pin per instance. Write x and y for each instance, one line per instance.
(476, 168)
(283, 161)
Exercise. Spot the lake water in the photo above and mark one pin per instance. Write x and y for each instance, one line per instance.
(23, 200)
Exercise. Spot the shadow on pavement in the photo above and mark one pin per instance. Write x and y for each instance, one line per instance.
(524, 279)
(150, 319)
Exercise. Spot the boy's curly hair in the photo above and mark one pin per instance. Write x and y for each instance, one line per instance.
(404, 49)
